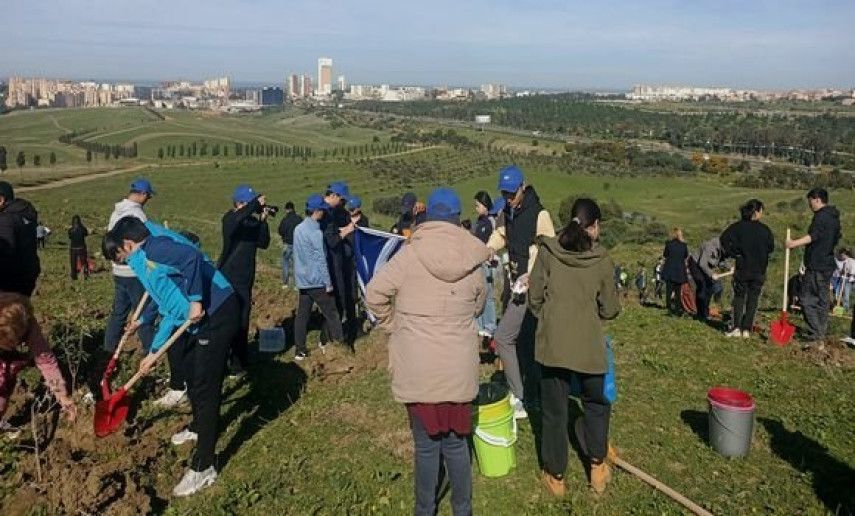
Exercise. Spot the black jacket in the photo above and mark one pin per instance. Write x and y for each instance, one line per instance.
(19, 259)
(243, 235)
(521, 230)
(675, 255)
(287, 225)
(483, 228)
(824, 232)
(750, 242)
(77, 237)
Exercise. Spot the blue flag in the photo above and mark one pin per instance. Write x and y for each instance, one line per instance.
(372, 249)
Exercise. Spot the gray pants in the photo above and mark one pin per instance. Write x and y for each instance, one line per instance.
(816, 303)
(506, 344)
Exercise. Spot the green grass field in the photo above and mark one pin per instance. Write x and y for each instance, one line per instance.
(310, 439)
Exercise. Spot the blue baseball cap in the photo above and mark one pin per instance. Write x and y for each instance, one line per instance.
(510, 179)
(244, 193)
(353, 203)
(142, 185)
(443, 204)
(340, 188)
(316, 202)
(498, 206)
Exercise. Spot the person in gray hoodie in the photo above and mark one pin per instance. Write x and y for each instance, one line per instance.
(702, 265)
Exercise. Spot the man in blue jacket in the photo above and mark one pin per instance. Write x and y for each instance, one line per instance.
(312, 276)
(183, 285)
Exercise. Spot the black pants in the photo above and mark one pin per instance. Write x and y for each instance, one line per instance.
(78, 256)
(672, 298)
(326, 303)
(746, 297)
(554, 390)
(239, 352)
(703, 290)
(203, 358)
(815, 302)
(344, 278)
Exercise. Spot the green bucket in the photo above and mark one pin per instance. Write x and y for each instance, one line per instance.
(494, 438)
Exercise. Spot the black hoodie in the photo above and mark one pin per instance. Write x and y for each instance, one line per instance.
(19, 259)
(824, 233)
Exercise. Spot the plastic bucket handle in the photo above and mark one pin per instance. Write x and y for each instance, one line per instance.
(496, 440)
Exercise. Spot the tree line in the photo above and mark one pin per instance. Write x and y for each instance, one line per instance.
(21, 159)
(203, 148)
(802, 139)
(115, 150)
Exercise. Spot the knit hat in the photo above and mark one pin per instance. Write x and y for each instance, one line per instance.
(443, 204)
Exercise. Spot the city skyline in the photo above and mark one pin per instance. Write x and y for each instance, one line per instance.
(545, 44)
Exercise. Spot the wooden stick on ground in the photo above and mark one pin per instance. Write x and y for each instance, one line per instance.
(674, 495)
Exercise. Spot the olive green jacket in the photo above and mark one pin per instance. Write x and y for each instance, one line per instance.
(570, 293)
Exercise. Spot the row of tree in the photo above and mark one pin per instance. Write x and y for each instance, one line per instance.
(21, 159)
(116, 151)
(803, 139)
(203, 148)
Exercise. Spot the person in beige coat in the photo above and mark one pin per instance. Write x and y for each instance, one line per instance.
(427, 297)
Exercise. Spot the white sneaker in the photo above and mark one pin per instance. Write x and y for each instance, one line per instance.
(171, 399)
(485, 334)
(746, 334)
(519, 408)
(195, 481)
(736, 332)
(184, 436)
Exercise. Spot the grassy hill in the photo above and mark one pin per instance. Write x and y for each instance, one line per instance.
(325, 437)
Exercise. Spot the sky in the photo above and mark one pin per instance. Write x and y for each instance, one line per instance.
(523, 43)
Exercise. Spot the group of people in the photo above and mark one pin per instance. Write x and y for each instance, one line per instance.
(748, 243)
(434, 297)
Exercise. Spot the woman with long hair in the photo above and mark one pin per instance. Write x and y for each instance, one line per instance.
(78, 255)
(571, 290)
(674, 270)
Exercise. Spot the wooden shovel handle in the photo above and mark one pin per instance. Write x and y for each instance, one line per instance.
(674, 495)
(134, 317)
(160, 352)
(786, 271)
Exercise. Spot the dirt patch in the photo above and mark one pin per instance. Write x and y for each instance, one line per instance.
(831, 354)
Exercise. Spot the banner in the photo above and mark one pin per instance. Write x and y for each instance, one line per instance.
(372, 249)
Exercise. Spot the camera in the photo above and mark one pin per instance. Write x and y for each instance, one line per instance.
(270, 210)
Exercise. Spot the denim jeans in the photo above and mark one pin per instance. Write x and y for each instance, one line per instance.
(847, 290)
(487, 320)
(126, 296)
(429, 453)
(287, 263)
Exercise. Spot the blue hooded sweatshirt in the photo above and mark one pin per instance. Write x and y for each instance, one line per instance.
(175, 273)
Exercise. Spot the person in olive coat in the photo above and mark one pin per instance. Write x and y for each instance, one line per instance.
(674, 270)
(571, 286)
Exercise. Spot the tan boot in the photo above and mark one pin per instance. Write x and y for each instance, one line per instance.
(554, 485)
(601, 474)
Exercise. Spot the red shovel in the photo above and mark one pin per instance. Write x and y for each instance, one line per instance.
(111, 365)
(781, 331)
(113, 410)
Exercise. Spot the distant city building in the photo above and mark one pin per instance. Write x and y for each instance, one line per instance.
(325, 76)
(271, 96)
(494, 91)
(341, 85)
(253, 96)
(295, 87)
(306, 81)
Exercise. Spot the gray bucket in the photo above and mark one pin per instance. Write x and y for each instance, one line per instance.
(731, 421)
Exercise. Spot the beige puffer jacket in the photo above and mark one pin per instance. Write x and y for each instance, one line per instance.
(427, 297)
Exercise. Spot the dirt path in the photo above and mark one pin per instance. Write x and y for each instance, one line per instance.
(84, 178)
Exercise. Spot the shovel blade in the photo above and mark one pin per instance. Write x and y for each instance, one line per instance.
(781, 330)
(110, 413)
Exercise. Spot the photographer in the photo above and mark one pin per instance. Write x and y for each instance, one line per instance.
(245, 231)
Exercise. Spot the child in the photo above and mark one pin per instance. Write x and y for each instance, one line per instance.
(641, 284)
(18, 326)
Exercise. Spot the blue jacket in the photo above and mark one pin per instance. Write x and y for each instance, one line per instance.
(310, 257)
(175, 273)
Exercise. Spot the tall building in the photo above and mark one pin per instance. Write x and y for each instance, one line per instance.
(306, 81)
(271, 96)
(295, 86)
(325, 76)
(340, 83)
